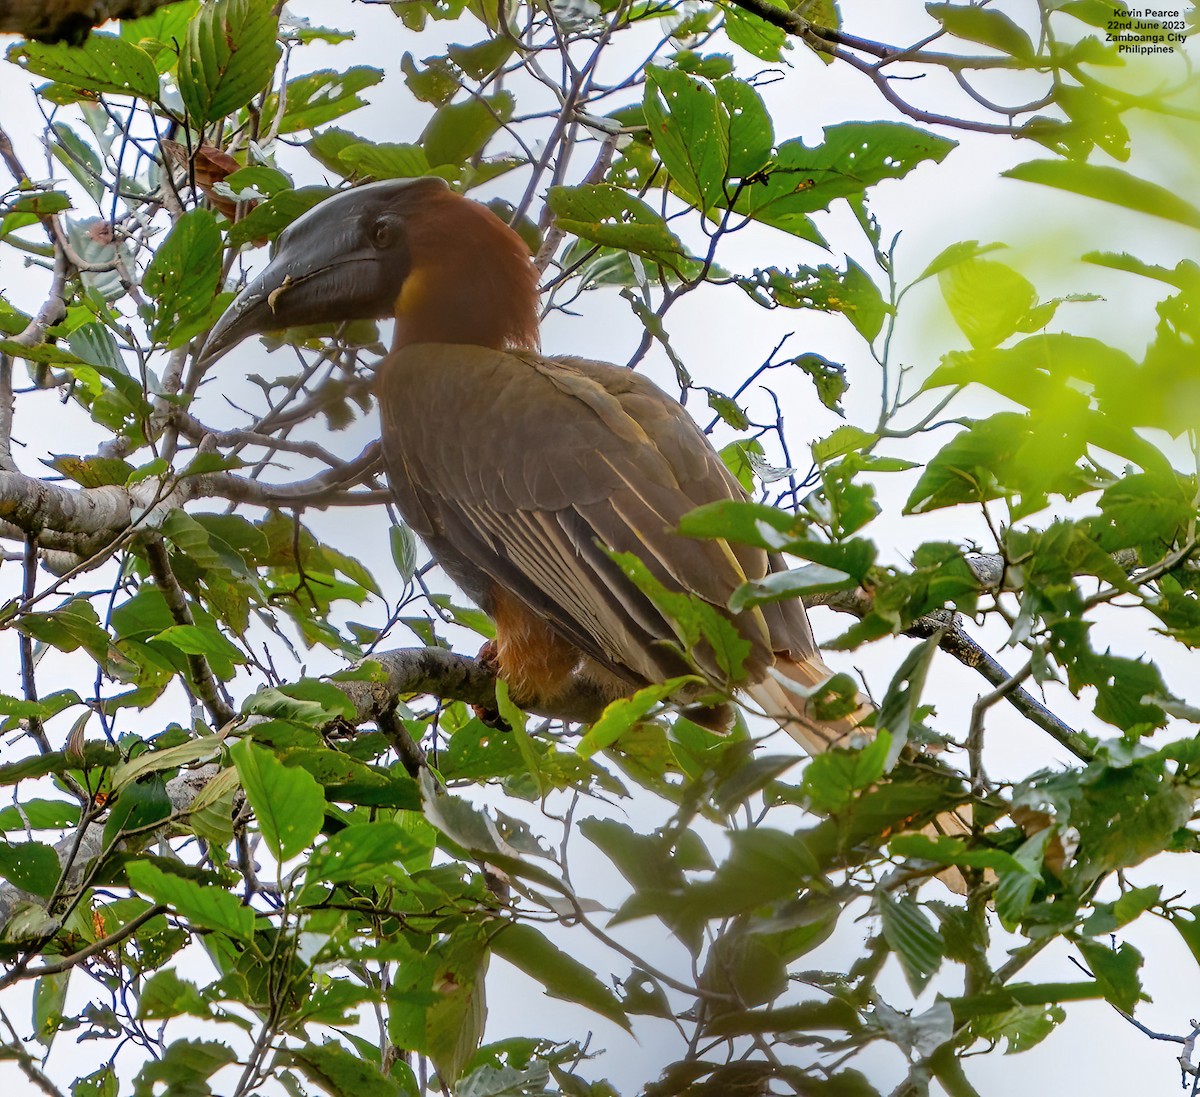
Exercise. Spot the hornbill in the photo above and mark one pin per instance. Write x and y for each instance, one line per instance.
(522, 473)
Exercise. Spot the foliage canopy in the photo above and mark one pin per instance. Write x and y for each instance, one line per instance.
(230, 876)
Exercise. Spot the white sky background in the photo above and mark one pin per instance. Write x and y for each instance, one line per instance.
(722, 336)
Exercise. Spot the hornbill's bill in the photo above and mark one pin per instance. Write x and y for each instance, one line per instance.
(520, 471)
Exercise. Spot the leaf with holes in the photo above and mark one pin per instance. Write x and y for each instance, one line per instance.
(103, 65)
(611, 217)
(689, 126)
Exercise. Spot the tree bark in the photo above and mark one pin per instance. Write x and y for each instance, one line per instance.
(67, 20)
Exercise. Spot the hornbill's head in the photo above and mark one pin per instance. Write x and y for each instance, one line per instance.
(445, 267)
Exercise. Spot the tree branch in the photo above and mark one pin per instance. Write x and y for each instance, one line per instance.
(67, 20)
(991, 571)
(207, 687)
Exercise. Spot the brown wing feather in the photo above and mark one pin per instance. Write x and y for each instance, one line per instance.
(547, 457)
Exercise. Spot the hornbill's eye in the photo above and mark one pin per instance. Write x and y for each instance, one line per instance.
(383, 232)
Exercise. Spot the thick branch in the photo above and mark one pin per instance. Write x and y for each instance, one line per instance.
(67, 20)
(85, 520)
(452, 677)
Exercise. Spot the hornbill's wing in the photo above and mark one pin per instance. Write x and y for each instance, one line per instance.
(547, 460)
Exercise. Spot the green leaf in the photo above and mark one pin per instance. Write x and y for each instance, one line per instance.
(855, 156)
(1144, 509)
(950, 851)
(988, 300)
(210, 907)
(1096, 13)
(258, 179)
(30, 866)
(436, 1001)
(50, 705)
(847, 439)
(158, 31)
(898, 711)
(404, 550)
(956, 253)
(852, 293)
(319, 97)
(763, 865)
(228, 58)
(437, 83)
(95, 344)
(353, 853)
(483, 58)
(79, 158)
(741, 521)
(1116, 970)
(268, 219)
(751, 131)
(198, 640)
(71, 626)
(1186, 921)
(984, 25)
(610, 216)
(459, 131)
(100, 1083)
(183, 1069)
(140, 805)
(705, 632)
(690, 129)
(288, 803)
(738, 458)
(201, 544)
(621, 715)
(385, 161)
(560, 973)
(166, 995)
(1112, 185)
(39, 815)
(49, 1000)
(308, 701)
(337, 1070)
(832, 778)
(37, 202)
(835, 1014)
(783, 586)
(103, 65)
(95, 754)
(745, 966)
(756, 36)
(1108, 917)
(1022, 1027)
(911, 937)
(971, 466)
(183, 278)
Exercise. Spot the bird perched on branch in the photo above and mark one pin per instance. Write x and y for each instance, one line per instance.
(524, 474)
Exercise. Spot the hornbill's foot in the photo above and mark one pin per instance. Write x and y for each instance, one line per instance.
(489, 714)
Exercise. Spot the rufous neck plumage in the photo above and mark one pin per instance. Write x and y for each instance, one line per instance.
(470, 280)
